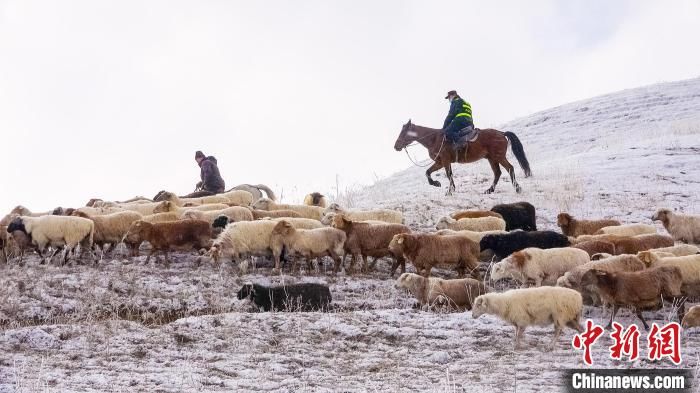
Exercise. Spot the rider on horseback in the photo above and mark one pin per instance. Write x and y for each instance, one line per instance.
(458, 121)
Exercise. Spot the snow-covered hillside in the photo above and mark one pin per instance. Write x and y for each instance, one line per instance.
(127, 326)
(618, 155)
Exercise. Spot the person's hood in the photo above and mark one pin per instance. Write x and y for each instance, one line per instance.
(210, 158)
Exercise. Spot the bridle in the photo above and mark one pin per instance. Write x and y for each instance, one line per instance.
(431, 133)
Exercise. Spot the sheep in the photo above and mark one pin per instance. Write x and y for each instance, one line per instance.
(427, 250)
(642, 290)
(680, 250)
(18, 243)
(193, 234)
(386, 215)
(596, 246)
(239, 197)
(170, 196)
(520, 215)
(682, 227)
(168, 206)
(627, 230)
(145, 208)
(255, 190)
(299, 223)
(110, 228)
(621, 263)
(689, 266)
(20, 210)
(370, 240)
(573, 227)
(309, 243)
(328, 218)
(505, 244)
(471, 235)
(691, 318)
(292, 297)
(258, 214)
(234, 213)
(95, 211)
(56, 231)
(538, 265)
(456, 294)
(474, 214)
(242, 239)
(316, 199)
(533, 306)
(592, 238)
(471, 224)
(218, 225)
(161, 217)
(313, 212)
(635, 244)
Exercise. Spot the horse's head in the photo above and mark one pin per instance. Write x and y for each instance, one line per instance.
(406, 136)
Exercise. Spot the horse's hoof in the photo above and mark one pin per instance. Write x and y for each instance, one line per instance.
(436, 184)
(489, 191)
(518, 189)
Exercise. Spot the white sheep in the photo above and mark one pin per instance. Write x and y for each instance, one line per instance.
(20, 210)
(312, 212)
(308, 243)
(98, 211)
(205, 200)
(168, 206)
(471, 235)
(480, 224)
(110, 229)
(242, 239)
(56, 231)
(144, 208)
(682, 227)
(538, 265)
(298, 222)
(679, 250)
(689, 266)
(238, 197)
(385, 215)
(533, 306)
(234, 214)
(627, 230)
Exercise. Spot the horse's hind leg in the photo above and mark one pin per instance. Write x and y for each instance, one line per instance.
(429, 171)
(511, 172)
(496, 175)
(448, 172)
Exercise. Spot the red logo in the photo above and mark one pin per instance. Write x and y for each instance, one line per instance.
(625, 344)
(665, 342)
(586, 339)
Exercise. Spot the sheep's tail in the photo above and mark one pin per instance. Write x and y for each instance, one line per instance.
(519, 152)
(267, 190)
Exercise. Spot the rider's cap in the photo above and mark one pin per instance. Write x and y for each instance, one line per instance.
(451, 93)
(199, 154)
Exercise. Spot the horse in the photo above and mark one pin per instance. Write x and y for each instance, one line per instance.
(491, 144)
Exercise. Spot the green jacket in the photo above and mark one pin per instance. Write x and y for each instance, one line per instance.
(458, 108)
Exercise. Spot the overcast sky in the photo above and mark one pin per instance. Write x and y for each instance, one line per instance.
(112, 98)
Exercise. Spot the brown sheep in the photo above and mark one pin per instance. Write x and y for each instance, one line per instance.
(593, 247)
(642, 290)
(110, 228)
(258, 214)
(427, 250)
(635, 244)
(456, 294)
(475, 214)
(309, 243)
(370, 240)
(194, 234)
(691, 318)
(573, 227)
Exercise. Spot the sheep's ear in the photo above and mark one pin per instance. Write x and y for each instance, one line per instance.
(400, 240)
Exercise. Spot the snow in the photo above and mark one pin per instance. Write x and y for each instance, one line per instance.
(126, 326)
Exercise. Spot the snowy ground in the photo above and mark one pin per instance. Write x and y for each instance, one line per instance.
(126, 326)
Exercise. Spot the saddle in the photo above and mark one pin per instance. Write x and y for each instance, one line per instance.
(466, 135)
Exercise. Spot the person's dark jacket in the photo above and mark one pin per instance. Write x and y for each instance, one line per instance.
(456, 107)
(211, 178)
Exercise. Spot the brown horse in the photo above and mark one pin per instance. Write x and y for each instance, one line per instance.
(491, 145)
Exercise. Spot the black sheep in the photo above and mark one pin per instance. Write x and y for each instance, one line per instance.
(507, 243)
(519, 215)
(294, 297)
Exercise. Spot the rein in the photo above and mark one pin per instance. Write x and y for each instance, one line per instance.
(442, 143)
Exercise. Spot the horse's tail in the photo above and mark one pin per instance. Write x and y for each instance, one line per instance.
(267, 190)
(519, 152)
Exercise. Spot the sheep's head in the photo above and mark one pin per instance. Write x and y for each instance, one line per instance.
(340, 222)
(407, 280)
(21, 211)
(445, 223)
(327, 218)
(164, 207)
(190, 215)
(500, 270)
(480, 306)
(262, 204)
(78, 213)
(564, 281)
(17, 225)
(398, 244)
(91, 202)
(488, 242)
(283, 228)
(333, 208)
(220, 222)
(691, 318)
(563, 219)
(246, 291)
(593, 277)
(136, 231)
(663, 215)
(648, 257)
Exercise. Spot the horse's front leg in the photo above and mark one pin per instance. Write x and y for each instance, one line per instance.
(430, 170)
(452, 187)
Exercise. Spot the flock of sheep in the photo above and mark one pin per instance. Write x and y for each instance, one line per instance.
(594, 262)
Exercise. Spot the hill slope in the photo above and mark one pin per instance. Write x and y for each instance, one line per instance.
(620, 154)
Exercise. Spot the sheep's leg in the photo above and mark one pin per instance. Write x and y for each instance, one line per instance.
(557, 333)
(365, 265)
(641, 318)
(427, 270)
(612, 316)
(167, 258)
(680, 304)
(519, 331)
(399, 260)
(150, 253)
